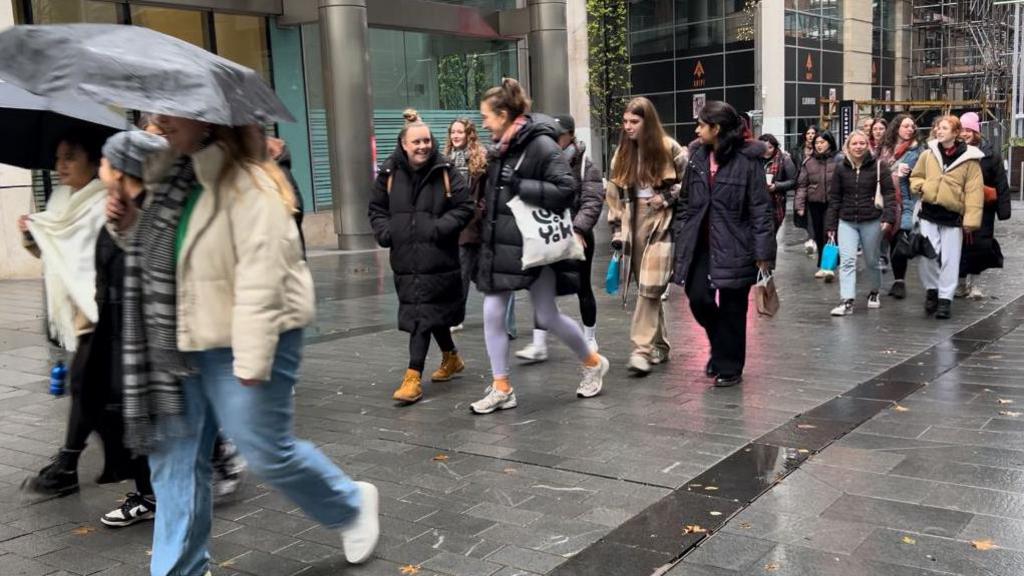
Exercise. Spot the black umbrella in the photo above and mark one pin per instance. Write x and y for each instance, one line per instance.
(33, 125)
(139, 69)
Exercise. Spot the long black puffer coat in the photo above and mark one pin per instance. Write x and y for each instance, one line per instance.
(543, 179)
(981, 250)
(738, 215)
(420, 222)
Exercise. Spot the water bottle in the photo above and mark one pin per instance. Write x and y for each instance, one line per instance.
(58, 375)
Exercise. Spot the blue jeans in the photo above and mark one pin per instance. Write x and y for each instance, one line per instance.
(851, 235)
(259, 420)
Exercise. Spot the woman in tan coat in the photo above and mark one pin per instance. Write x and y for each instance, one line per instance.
(643, 189)
(948, 179)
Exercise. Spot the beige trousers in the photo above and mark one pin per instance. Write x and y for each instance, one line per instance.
(648, 329)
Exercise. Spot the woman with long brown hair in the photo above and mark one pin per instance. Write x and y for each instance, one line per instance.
(899, 150)
(646, 172)
(216, 295)
(469, 157)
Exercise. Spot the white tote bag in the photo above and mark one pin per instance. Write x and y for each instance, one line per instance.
(547, 235)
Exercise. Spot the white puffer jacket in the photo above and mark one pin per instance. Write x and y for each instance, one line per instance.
(241, 277)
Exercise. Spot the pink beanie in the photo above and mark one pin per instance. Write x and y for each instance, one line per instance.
(970, 121)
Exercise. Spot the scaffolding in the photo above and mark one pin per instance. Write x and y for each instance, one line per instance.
(964, 50)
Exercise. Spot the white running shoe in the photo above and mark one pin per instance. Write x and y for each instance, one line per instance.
(845, 308)
(810, 247)
(638, 364)
(874, 302)
(533, 353)
(593, 379)
(457, 328)
(495, 400)
(360, 538)
(820, 274)
(135, 508)
(829, 276)
(976, 294)
(659, 356)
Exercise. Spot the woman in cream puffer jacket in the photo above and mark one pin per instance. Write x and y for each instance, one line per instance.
(219, 214)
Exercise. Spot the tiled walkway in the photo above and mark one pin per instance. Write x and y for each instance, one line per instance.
(520, 492)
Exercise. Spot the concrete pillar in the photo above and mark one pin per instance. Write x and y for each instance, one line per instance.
(15, 200)
(579, 70)
(903, 44)
(345, 53)
(549, 56)
(857, 19)
(771, 76)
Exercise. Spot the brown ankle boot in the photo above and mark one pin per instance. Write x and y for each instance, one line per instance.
(451, 364)
(411, 390)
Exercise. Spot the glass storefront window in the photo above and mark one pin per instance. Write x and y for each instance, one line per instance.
(243, 39)
(650, 14)
(651, 45)
(187, 25)
(702, 38)
(696, 10)
(64, 12)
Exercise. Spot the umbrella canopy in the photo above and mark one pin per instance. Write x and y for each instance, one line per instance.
(35, 125)
(139, 69)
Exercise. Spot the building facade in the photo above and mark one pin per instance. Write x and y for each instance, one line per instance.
(435, 56)
(777, 58)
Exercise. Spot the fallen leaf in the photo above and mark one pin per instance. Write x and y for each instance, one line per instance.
(908, 540)
(745, 525)
(1009, 413)
(510, 471)
(711, 488)
(771, 567)
(1004, 401)
(441, 458)
(693, 529)
(803, 451)
(410, 569)
(898, 408)
(806, 426)
(227, 563)
(715, 513)
(986, 544)
(83, 530)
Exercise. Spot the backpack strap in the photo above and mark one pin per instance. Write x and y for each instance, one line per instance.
(391, 180)
(447, 184)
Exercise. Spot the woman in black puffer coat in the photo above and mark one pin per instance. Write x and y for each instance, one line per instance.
(526, 162)
(723, 235)
(419, 206)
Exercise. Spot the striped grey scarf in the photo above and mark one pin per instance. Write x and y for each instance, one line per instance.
(153, 366)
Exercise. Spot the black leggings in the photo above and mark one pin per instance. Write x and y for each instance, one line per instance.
(898, 261)
(419, 343)
(588, 302)
(816, 222)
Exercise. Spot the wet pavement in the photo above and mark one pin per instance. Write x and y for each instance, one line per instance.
(871, 444)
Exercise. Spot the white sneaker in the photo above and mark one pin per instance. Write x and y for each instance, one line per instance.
(659, 356)
(533, 353)
(135, 508)
(592, 345)
(457, 328)
(360, 538)
(976, 294)
(963, 289)
(810, 247)
(845, 308)
(820, 274)
(638, 364)
(829, 276)
(495, 400)
(874, 302)
(593, 379)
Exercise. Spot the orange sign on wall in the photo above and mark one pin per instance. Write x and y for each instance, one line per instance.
(809, 68)
(698, 75)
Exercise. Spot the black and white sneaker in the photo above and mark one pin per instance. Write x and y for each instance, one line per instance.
(135, 508)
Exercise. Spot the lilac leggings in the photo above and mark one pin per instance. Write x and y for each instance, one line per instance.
(545, 309)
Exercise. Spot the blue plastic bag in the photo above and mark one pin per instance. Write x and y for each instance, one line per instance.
(830, 257)
(611, 279)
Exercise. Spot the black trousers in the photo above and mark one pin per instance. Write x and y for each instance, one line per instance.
(724, 321)
(419, 343)
(468, 256)
(816, 222)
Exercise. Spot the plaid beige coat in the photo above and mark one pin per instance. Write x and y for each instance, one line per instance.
(655, 267)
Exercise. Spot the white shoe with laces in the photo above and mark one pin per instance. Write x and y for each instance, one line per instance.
(874, 302)
(494, 400)
(533, 353)
(593, 379)
(135, 508)
(360, 538)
